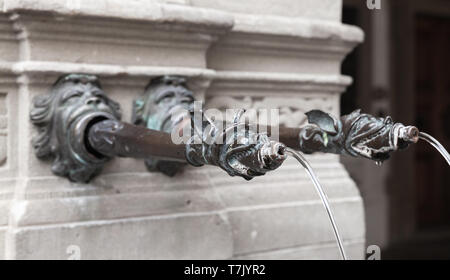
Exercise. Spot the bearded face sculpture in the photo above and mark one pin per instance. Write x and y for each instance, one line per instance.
(63, 118)
(164, 104)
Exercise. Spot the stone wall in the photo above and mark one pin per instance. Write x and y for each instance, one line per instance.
(283, 54)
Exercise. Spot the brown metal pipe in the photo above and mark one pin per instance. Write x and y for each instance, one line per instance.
(289, 136)
(111, 138)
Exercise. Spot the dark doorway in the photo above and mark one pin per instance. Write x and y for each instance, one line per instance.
(432, 95)
(350, 65)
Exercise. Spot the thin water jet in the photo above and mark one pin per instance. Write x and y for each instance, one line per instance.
(299, 157)
(436, 144)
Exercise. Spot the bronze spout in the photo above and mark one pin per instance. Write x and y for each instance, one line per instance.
(356, 134)
(250, 155)
(409, 134)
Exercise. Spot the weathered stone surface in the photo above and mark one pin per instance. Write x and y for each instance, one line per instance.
(283, 210)
(326, 251)
(284, 226)
(2, 242)
(8, 43)
(138, 43)
(311, 9)
(280, 44)
(3, 130)
(8, 160)
(146, 10)
(135, 200)
(160, 237)
(4, 207)
(5, 197)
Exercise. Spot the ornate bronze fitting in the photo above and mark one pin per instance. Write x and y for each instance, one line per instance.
(167, 102)
(355, 134)
(79, 128)
(237, 149)
(243, 153)
(76, 101)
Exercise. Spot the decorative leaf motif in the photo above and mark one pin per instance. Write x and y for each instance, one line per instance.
(325, 121)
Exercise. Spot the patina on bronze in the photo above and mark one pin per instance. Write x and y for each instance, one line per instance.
(356, 134)
(242, 152)
(167, 99)
(79, 128)
(238, 149)
(62, 118)
(164, 104)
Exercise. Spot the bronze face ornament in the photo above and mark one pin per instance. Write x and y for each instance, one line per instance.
(75, 102)
(164, 104)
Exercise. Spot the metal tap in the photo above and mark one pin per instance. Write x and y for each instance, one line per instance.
(237, 149)
(356, 134)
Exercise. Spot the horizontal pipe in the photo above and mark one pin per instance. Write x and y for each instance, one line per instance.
(115, 138)
(289, 136)
(110, 138)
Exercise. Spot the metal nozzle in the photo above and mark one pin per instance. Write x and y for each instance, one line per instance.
(409, 134)
(272, 155)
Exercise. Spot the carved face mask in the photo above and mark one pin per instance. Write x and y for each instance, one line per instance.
(64, 116)
(165, 103)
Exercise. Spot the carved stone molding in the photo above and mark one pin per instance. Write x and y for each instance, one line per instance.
(323, 10)
(285, 45)
(8, 41)
(144, 33)
(291, 113)
(292, 94)
(136, 10)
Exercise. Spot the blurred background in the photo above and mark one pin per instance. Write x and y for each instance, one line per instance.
(402, 69)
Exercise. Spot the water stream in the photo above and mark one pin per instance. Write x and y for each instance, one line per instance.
(299, 157)
(435, 143)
